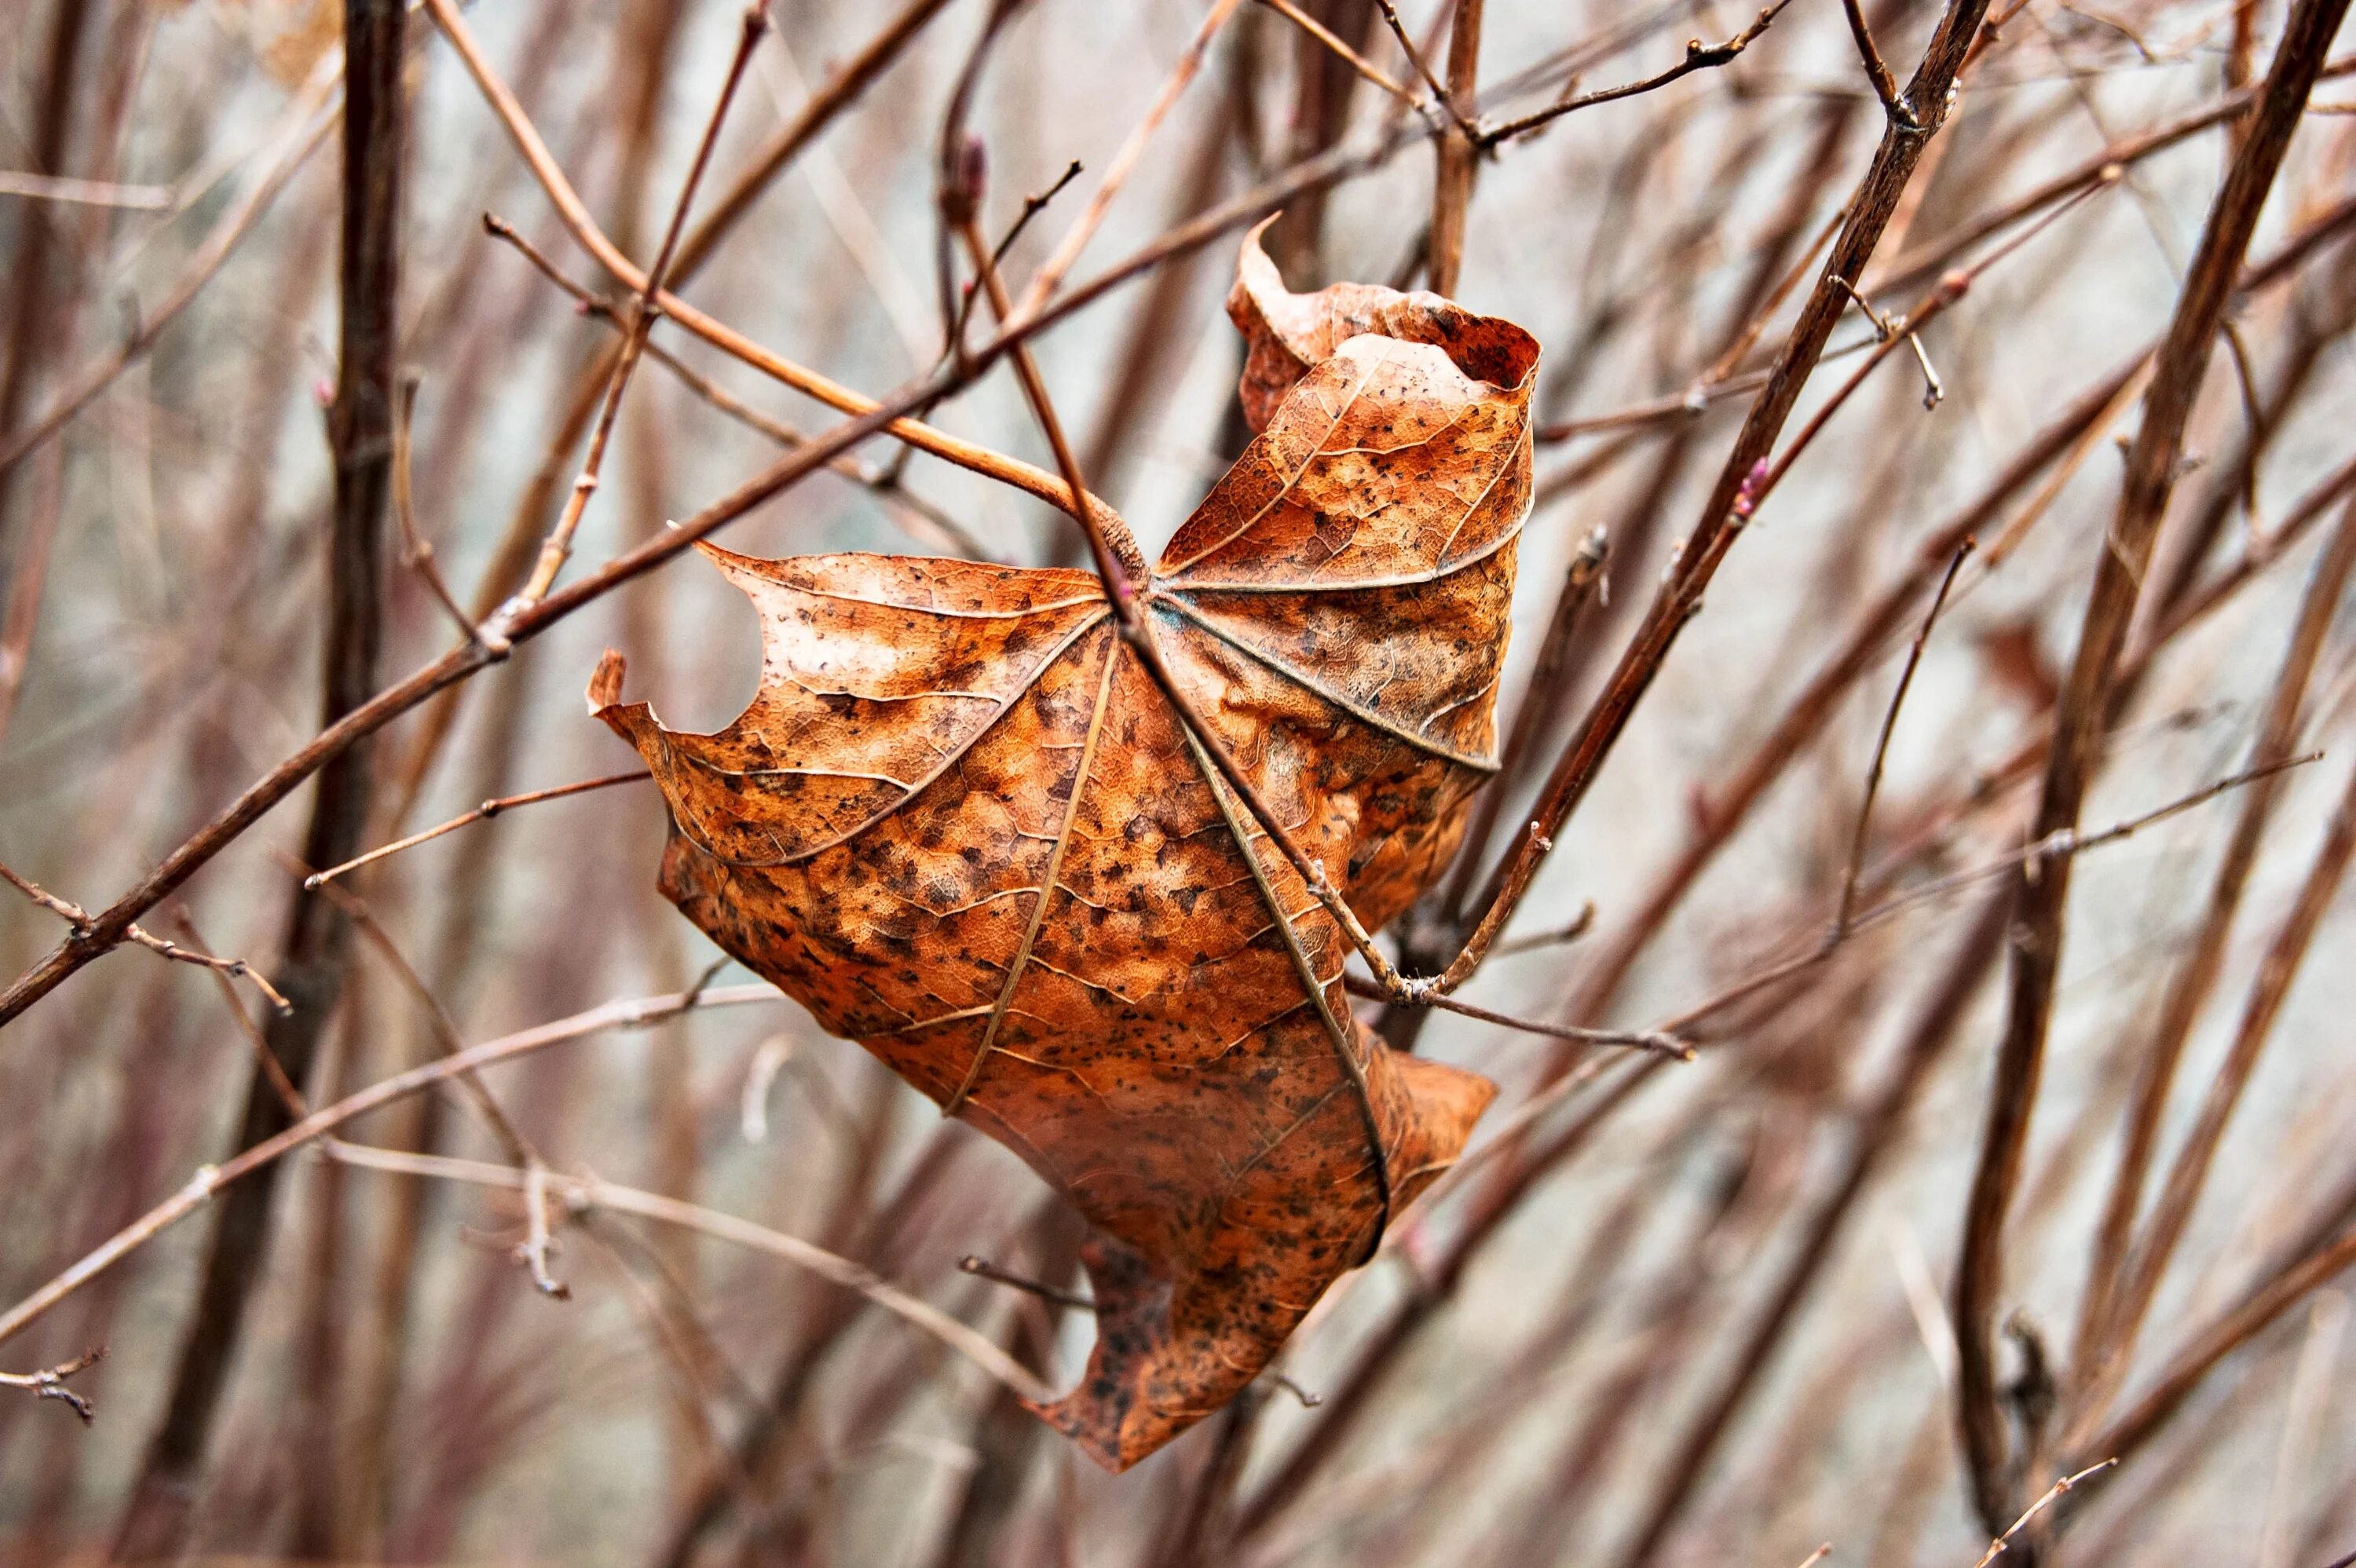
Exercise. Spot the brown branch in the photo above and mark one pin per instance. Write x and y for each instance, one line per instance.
(2081, 719)
(317, 944)
(1459, 151)
(1875, 73)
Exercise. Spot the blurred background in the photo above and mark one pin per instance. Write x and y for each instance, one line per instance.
(1681, 1312)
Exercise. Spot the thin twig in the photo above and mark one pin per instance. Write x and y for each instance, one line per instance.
(2059, 845)
(588, 1194)
(639, 1013)
(1699, 57)
(982, 1268)
(1640, 1040)
(78, 920)
(50, 1382)
(1558, 937)
(92, 193)
(1066, 254)
(2053, 1493)
(416, 552)
(1463, 126)
(921, 517)
(482, 812)
(1341, 51)
(1881, 744)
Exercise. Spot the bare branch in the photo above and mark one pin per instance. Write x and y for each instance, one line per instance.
(51, 1383)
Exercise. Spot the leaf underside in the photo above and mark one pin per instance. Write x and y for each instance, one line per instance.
(961, 824)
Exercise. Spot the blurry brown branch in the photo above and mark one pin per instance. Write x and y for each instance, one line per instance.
(308, 122)
(314, 947)
(2107, 1327)
(2081, 719)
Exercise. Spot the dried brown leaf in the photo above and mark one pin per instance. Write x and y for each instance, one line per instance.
(962, 825)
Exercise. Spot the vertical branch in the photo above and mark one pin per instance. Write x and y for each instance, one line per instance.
(317, 935)
(1459, 155)
(1735, 494)
(2042, 885)
(2104, 1338)
(29, 319)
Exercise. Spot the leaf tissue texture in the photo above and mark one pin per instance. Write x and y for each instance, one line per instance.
(963, 826)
